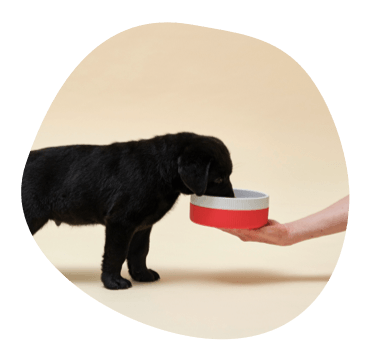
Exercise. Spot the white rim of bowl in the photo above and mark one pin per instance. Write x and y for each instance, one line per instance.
(241, 203)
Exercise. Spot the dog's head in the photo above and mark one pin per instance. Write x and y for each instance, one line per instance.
(205, 167)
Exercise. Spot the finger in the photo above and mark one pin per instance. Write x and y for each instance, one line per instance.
(231, 231)
(272, 222)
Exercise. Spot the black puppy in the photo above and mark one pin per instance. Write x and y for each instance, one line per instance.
(127, 187)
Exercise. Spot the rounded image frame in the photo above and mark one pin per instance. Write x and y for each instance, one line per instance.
(167, 78)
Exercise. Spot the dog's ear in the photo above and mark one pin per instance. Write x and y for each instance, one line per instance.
(193, 168)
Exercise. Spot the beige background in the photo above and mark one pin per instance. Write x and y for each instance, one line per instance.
(166, 78)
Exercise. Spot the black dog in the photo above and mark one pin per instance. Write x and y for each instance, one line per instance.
(127, 187)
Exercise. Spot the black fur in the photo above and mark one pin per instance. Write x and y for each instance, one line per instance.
(127, 187)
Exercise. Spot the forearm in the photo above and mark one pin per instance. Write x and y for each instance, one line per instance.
(329, 221)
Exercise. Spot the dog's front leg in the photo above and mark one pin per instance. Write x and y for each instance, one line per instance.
(117, 242)
(136, 257)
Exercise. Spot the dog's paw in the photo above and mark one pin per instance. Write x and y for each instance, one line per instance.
(144, 276)
(114, 281)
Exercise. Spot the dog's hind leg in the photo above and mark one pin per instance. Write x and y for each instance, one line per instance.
(36, 214)
(117, 242)
(136, 258)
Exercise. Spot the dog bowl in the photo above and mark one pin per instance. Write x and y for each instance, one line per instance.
(248, 210)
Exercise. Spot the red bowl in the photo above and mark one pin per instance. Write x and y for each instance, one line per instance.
(248, 210)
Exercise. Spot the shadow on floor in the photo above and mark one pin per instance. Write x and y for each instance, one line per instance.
(174, 275)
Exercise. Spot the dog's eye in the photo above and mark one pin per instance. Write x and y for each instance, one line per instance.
(218, 181)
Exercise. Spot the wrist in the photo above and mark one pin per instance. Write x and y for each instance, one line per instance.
(293, 235)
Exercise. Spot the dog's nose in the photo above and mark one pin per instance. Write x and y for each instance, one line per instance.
(230, 193)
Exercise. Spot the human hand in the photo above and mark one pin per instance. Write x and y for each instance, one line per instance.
(272, 233)
(329, 221)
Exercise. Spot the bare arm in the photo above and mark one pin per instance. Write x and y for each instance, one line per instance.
(329, 221)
